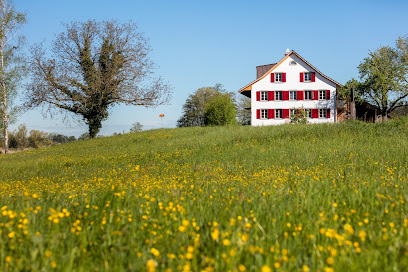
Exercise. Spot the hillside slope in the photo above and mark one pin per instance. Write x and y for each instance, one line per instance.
(291, 197)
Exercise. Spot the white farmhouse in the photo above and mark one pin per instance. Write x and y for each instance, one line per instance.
(288, 85)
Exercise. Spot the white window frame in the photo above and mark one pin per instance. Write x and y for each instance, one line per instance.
(278, 113)
(324, 111)
(322, 95)
(309, 77)
(264, 114)
(294, 95)
(278, 77)
(309, 113)
(264, 95)
(292, 112)
(280, 94)
(292, 63)
(306, 98)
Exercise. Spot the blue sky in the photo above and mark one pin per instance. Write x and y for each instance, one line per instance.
(201, 43)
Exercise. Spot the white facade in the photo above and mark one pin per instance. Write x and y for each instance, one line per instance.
(291, 66)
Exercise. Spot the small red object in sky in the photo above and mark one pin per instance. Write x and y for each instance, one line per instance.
(161, 115)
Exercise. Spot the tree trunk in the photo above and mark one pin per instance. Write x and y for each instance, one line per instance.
(3, 90)
(5, 117)
(94, 125)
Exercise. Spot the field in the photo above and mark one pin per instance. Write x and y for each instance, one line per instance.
(286, 198)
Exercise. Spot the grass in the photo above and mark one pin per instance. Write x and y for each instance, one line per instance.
(285, 198)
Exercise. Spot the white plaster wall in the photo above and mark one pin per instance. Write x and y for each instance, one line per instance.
(292, 84)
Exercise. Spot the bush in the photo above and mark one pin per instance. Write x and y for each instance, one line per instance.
(299, 116)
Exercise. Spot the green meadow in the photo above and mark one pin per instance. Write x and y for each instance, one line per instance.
(329, 197)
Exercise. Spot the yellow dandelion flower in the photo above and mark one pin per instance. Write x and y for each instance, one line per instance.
(185, 223)
(349, 228)
(330, 260)
(362, 234)
(215, 234)
(155, 252)
(189, 256)
(182, 228)
(150, 265)
(266, 268)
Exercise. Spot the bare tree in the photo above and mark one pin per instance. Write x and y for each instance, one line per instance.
(93, 66)
(11, 23)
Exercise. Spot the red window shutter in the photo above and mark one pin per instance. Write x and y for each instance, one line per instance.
(301, 77)
(258, 96)
(258, 114)
(271, 95)
(283, 77)
(328, 94)
(328, 113)
(315, 113)
(313, 77)
(285, 113)
(272, 77)
(315, 95)
(299, 95)
(271, 113)
(285, 95)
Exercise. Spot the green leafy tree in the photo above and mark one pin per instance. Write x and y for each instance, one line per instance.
(95, 65)
(220, 111)
(11, 23)
(196, 105)
(60, 138)
(349, 91)
(384, 78)
(38, 139)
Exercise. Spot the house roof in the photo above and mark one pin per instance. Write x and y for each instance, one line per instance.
(249, 86)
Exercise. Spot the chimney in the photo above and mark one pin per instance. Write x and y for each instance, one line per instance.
(287, 52)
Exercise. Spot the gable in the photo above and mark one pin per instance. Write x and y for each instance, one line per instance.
(281, 67)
